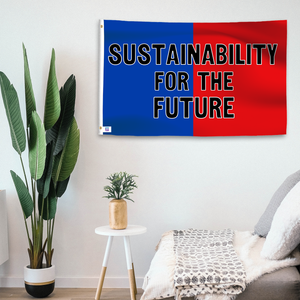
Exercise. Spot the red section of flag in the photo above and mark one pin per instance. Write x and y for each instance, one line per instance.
(258, 96)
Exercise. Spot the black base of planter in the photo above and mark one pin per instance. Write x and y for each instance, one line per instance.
(39, 291)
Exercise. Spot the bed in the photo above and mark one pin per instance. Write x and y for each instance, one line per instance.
(269, 255)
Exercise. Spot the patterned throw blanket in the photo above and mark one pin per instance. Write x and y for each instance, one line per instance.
(206, 262)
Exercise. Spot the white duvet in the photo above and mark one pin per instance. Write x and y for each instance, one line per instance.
(159, 281)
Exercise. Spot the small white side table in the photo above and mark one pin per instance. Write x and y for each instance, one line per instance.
(125, 233)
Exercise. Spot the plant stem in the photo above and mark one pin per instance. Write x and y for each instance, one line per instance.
(48, 234)
(24, 172)
(27, 231)
(49, 243)
(33, 182)
(31, 218)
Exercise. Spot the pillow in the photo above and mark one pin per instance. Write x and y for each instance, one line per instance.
(263, 226)
(284, 235)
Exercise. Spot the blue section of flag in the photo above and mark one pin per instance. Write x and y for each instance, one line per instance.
(129, 89)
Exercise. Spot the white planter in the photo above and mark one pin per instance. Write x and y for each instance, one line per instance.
(39, 283)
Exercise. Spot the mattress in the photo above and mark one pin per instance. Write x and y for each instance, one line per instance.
(279, 285)
(283, 284)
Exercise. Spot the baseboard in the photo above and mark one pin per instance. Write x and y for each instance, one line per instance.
(90, 282)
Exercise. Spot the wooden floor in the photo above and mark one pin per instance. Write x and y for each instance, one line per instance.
(71, 294)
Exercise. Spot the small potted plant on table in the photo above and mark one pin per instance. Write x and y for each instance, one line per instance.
(121, 185)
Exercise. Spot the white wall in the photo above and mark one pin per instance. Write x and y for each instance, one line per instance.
(183, 181)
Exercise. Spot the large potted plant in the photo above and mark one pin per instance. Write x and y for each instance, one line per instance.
(53, 147)
(121, 185)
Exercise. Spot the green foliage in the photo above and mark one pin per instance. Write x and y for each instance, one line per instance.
(29, 95)
(121, 185)
(37, 147)
(23, 194)
(43, 184)
(67, 97)
(13, 113)
(65, 161)
(52, 102)
(61, 187)
(48, 211)
(53, 149)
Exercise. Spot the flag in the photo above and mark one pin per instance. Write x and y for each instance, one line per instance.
(192, 79)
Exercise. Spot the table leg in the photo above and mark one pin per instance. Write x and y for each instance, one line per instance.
(104, 266)
(130, 268)
(135, 289)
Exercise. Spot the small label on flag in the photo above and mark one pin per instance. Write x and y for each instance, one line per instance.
(107, 129)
